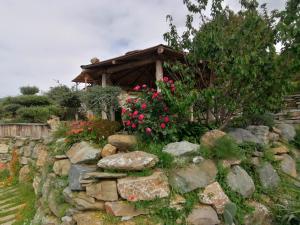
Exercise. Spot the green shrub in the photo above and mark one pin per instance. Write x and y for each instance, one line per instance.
(224, 148)
(28, 100)
(36, 114)
(29, 90)
(296, 141)
(11, 109)
(266, 119)
(191, 131)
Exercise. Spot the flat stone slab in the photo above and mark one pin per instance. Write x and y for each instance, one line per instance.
(137, 160)
(76, 174)
(181, 148)
(103, 175)
(144, 188)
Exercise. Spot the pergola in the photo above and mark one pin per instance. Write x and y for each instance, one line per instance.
(135, 67)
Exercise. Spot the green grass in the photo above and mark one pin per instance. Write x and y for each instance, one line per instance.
(4, 175)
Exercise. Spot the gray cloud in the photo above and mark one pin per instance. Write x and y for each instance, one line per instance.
(44, 41)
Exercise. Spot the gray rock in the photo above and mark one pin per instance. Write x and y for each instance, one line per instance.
(4, 148)
(193, 176)
(288, 165)
(239, 181)
(288, 132)
(268, 176)
(81, 201)
(242, 135)
(83, 152)
(260, 216)
(136, 160)
(76, 173)
(181, 148)
(203, 215)
(261, 132)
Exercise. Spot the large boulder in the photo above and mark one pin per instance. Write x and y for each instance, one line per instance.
(210, 137)
(104, 190)
(107, 150)
(144, 188)
(122, 208)
(181, 148)
(261, 132)
(81, 201)
(239, 181)
(214, 195)
(62, 167)
(268, 176)
(76, 173)
(242, 135)
(193, 176)
(288, 165)
(287, 131)
(203, 215)
(83, 152)
(122, 141)
(260, 216)
(131, 161)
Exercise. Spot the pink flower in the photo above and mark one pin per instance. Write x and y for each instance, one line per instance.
(155, 94)
(133, 126)
(166, 119)
(137, 88)
(141, 117)
(144, 106)
(144, 86)
(163, 125)
(135, 113)
(128, 123)
(166, 79)
(148, 130)
(171, 82)
(129, 100)
(123, 110)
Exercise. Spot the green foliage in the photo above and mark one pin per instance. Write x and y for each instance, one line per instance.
(67, 98)
(224, 148)
(4, 174)
(240, 72)
(296, 141)
(36, 114)
(29, 90)
(191, 131)
(243, 121)
(100, 99)
(62, 130)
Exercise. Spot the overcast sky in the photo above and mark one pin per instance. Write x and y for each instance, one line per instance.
(46, 40)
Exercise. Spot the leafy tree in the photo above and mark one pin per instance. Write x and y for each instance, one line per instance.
(67, 98)
(100, 99)
(233, 57)
(29, 90)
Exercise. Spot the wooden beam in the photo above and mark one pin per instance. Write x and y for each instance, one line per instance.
(158, 71)
(130, 65)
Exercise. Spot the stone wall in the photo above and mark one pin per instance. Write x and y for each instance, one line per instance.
(291, 112)
(24, 130)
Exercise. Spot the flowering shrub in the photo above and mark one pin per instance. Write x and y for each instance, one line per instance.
(96, 130)
(149, 114)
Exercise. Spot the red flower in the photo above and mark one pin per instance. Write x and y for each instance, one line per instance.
(166, 79)
(128, 123)
(163, 125)
(123, 110)
(171, 82)
(137, 88)
(133, 126)
(135, 113)
(166, 119)
(166, 109)
(144, 86)
(155, 94)
(141, 117)
(144, 106)
(129, 100)
(148, 130)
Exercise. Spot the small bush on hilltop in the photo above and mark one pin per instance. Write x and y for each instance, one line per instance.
(29, 90)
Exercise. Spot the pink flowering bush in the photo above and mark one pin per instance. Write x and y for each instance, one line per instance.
(149, 114)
